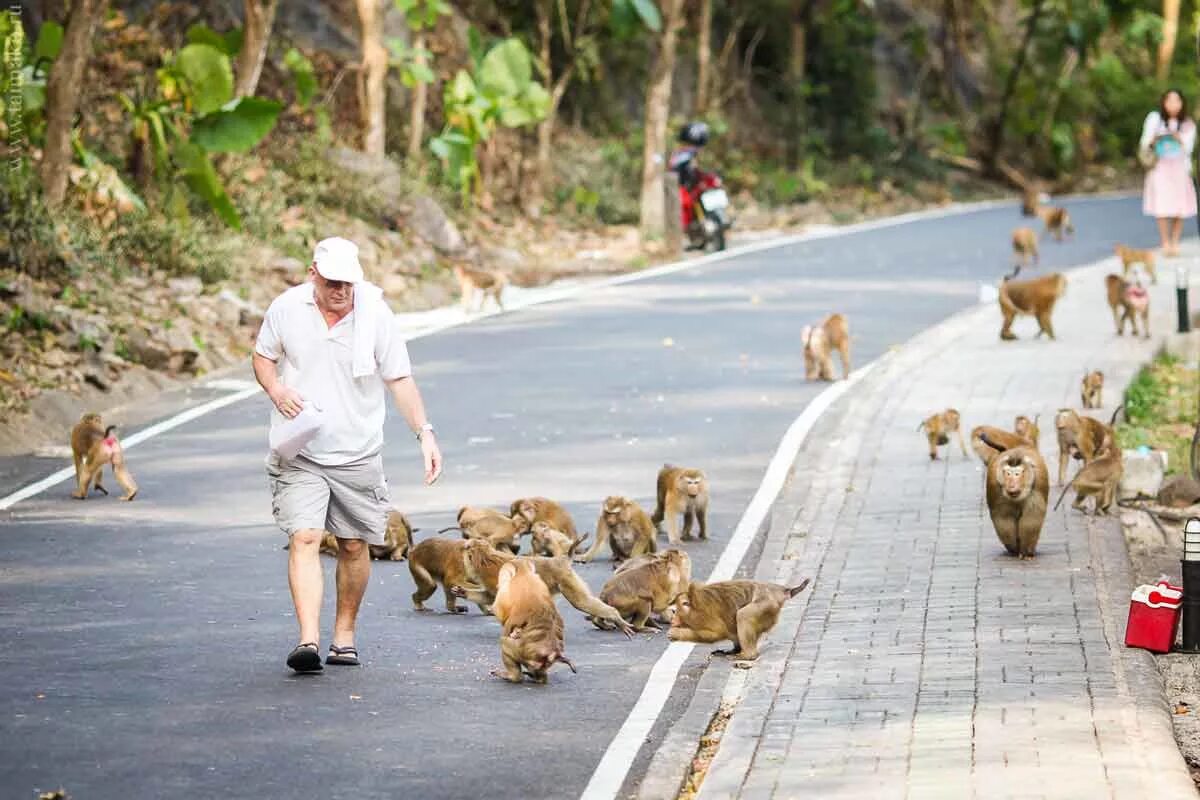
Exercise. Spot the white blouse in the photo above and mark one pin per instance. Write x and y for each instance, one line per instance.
(1154, 126)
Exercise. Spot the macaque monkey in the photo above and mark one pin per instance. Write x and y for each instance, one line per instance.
(1025, 246)
(1035, 297)
(93, 445)
(483, 563)
(648, 588)
(435, 561)
(1129, 257)
(938, 429)
(1128, 300)
(532, 637)
(625, 528)
(1179, 491)
(1091, 393)
(681, 491)
(481, 282)
(1018, 489)
(551, 542)
(1057, 221)
(396, 540)
(1027, 428)
(543, 509)
(1099, 479)
(819, 343)
(740, 611)
(1080, 437)
(477, 522)
(988, 441)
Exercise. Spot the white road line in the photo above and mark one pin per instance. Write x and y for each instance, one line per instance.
(610, 773)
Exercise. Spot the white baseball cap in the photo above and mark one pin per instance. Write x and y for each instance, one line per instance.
(337, 260)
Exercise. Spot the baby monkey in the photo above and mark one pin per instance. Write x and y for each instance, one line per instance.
(93, 445)
(740, 611)
(1091, 393)
(938, 429)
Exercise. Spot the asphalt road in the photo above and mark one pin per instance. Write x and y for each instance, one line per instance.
(145, 641)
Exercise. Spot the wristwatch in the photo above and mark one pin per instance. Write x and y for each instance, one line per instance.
(421, 431)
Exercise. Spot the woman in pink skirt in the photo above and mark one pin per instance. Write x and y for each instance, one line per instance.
(1168, 136)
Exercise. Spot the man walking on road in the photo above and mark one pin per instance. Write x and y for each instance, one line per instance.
(338, 346)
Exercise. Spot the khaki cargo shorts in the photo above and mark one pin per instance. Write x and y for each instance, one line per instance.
(351, 501)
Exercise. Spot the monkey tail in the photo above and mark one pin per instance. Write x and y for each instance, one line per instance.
(109, 431)
(922, 425)
(1006, 302)
(575, 548)
(983, 438)
(1070, 485)
(795, 590)
(1113, 420)
(451, 528)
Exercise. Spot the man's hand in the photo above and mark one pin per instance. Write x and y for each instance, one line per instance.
(287, 400)
(433, 457)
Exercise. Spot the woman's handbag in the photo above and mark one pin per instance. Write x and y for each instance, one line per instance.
(1147, 157)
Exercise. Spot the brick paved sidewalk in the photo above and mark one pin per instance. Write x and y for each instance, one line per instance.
(926, 662)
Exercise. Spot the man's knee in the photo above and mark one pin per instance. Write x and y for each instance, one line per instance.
(307, 539)
(351, 548)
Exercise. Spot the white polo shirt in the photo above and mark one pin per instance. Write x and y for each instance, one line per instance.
(317, 362)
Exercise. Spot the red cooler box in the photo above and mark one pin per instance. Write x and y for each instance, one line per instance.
(1154, 617)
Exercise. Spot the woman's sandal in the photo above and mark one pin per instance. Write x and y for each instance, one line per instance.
(342, 656)
(305, 658)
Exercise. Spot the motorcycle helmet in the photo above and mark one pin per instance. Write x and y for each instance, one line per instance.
(694, 133)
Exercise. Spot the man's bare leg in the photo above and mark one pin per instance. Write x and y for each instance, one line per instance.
(353, 574)
(306, 582)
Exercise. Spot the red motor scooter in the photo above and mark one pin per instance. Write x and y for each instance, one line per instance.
(703, 201)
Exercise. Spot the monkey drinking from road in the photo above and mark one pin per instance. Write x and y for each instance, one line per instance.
(738, 611)
(1128, 300)
(1025, 247)
(938, 429)
(819, 343)
(625, 528)
(1091, 393)
(532, 637)
(1080, 437)
(1099, 479)
(646, 589)
(1035, 297)
(1018, 489)
(681, 491)
(93, 445)
(1129, 257)
(482, 283)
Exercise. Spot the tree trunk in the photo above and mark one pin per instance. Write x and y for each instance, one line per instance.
(703, 56)
(372, 100)
(1010, 86)
(416, 120)
(62, 95)
(797, 69)
(658, 101)
(1170, 31)
(260, 16)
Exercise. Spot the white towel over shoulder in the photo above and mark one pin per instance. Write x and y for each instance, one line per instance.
(366, 318)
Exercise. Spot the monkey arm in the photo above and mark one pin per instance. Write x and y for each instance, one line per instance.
(576, 592)
(407, 398)
(602, 534)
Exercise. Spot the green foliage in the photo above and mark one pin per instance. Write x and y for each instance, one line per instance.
(229, 43)
(841, 76)
(413, 62)
(237, 126)
(600, 182)
(628, 16)
(209, 76)
(1160, 406)
(49, 41)
(303, 75)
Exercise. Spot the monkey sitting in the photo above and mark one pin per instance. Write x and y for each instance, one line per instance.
(532, 637)
(625, 528)
(1128, 300)
(988, 442)
(1057, 221)
(397, 539)
(484, 283)
(1025, 246)
(1027, 428)
(1129, 257)
(740, 611)
(819, 343)
(92, 446)
(680, 490)
(1091, 393)
(1035, 297)
(1098, 478)
(1080, 437)
(938, 429)
(646, 589)
(1018, 489)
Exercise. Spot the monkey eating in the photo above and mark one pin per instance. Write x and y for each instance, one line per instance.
(1128, 300)
(739, 611)
(532, 637)
(681, 491)
(648, 588)
(551, 542)
(1129, 257)
(477, 522)
(1091, 393)
(988, 442)
(938, 429)
(819, 343)
(1018, 489)
(1025, 247)
(1035, 297)
(1099, 479)
(1057, 221)
(93, 445)
(625, 528)
(481, 283)
(1080, 437)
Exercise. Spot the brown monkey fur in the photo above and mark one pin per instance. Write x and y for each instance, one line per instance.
(681, 491)
(93, 446)
(483, 563)
(1035, 297)
(1129, 257)
(1028, 428)
(488, 283)
(1091, 392)
(1025, 246)
(1057, 221)
(1128, 300)
(549, 541)
(477, 522)
(1179, 491)
(1099, 479)
(435, 561)
(988, 441)
(532, 637)
(1018, 489)
(938, 429)
(625, 528)
(1031, 199)
(1080, 437)
(740, 611)
(543, 509)
(396, 540)
(819, 343)
(648, 588)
